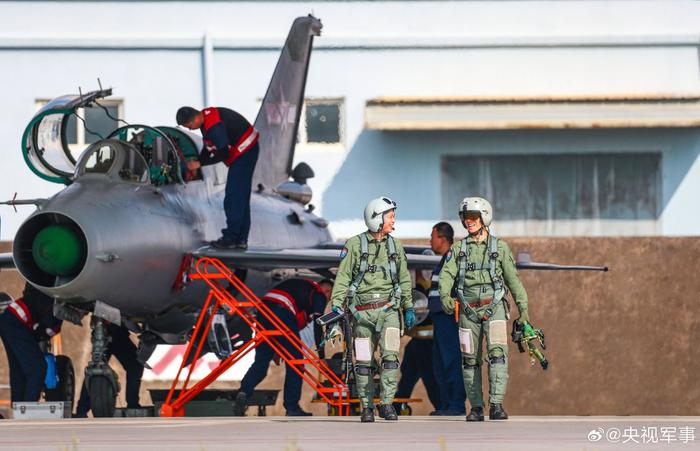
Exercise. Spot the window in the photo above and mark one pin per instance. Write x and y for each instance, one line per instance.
(321, 122)
(623, 186)
(97, 123)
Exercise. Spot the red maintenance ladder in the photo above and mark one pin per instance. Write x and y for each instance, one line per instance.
(214, 273)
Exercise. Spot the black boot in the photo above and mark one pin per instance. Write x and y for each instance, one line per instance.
(497, 413)
(240, 405)
(476, 414)
(388, 412)
(298, 412)
(367, 415)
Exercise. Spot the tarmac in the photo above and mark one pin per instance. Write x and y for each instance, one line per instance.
(324, 433)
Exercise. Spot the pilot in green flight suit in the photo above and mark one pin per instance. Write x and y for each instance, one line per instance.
(373, 282)
(477, 271)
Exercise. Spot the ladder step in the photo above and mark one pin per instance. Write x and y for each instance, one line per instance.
(270, 332)
(299, 362)
(208, 276)
(329, 389)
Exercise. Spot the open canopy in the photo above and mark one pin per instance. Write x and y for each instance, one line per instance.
(45, 141)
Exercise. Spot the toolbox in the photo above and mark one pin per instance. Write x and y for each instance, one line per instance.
(50, 410)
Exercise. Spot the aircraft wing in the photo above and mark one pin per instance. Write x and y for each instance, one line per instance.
(6, 261)
(311, 258)
(324, 258)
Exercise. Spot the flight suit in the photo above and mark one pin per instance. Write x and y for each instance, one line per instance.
(375, 310)
(478, 290)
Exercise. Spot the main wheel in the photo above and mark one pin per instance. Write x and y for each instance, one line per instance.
(65, 390)
(103, 399)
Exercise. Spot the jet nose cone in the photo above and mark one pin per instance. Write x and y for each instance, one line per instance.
(57, 250)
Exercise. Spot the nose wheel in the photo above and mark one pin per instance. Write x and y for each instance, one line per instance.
(102, 381)
(103, 398)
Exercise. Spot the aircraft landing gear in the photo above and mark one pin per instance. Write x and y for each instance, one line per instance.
(102, 382)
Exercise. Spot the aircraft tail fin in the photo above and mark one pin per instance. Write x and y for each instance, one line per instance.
(278, 118)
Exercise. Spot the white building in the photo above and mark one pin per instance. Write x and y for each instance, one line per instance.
(574, 118)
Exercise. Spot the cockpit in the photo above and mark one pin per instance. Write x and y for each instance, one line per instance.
(114, 159)
(134, 153)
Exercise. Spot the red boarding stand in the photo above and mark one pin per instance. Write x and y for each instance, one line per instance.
(214, 273)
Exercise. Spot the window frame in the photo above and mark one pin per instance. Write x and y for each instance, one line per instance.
(302, 135)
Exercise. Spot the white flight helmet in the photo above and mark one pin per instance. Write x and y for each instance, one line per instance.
(476, 204)
(374, 212)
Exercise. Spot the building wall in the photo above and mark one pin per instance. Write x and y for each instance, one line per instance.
(156, 57)
(407, 167)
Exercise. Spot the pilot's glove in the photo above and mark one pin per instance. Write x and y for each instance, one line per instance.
(448, 306)
(523, 317)
(410, 318)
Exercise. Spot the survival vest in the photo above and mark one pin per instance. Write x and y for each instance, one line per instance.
(243, 144)
(499, 290)
(390, 268)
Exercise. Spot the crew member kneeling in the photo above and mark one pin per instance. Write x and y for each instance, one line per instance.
(24, 323)
(296, 302)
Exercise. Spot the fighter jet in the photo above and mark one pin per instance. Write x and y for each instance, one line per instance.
(116, 240)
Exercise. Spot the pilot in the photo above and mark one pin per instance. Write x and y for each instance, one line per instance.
(24, 323)
(447, 360)
(296, 302)
(231, 139)
(374, 284)
(480, 267)
(121, 347)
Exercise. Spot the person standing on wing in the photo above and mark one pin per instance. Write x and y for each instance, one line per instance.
(231, 139)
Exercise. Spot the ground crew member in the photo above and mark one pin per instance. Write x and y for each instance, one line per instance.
(479, 268)
(24, 323)
(373, 282)
(125, 351)
(231, 139)
(296, 302)
(447, 360)
(418, 364)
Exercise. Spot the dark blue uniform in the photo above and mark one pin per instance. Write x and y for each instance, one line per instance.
(447, 357)
(23, 324)
(121, 347)
(296, 302)
(417, 364)
(229, 138)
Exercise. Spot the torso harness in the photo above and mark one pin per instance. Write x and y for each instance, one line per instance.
(389, 268)
(499, 290)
